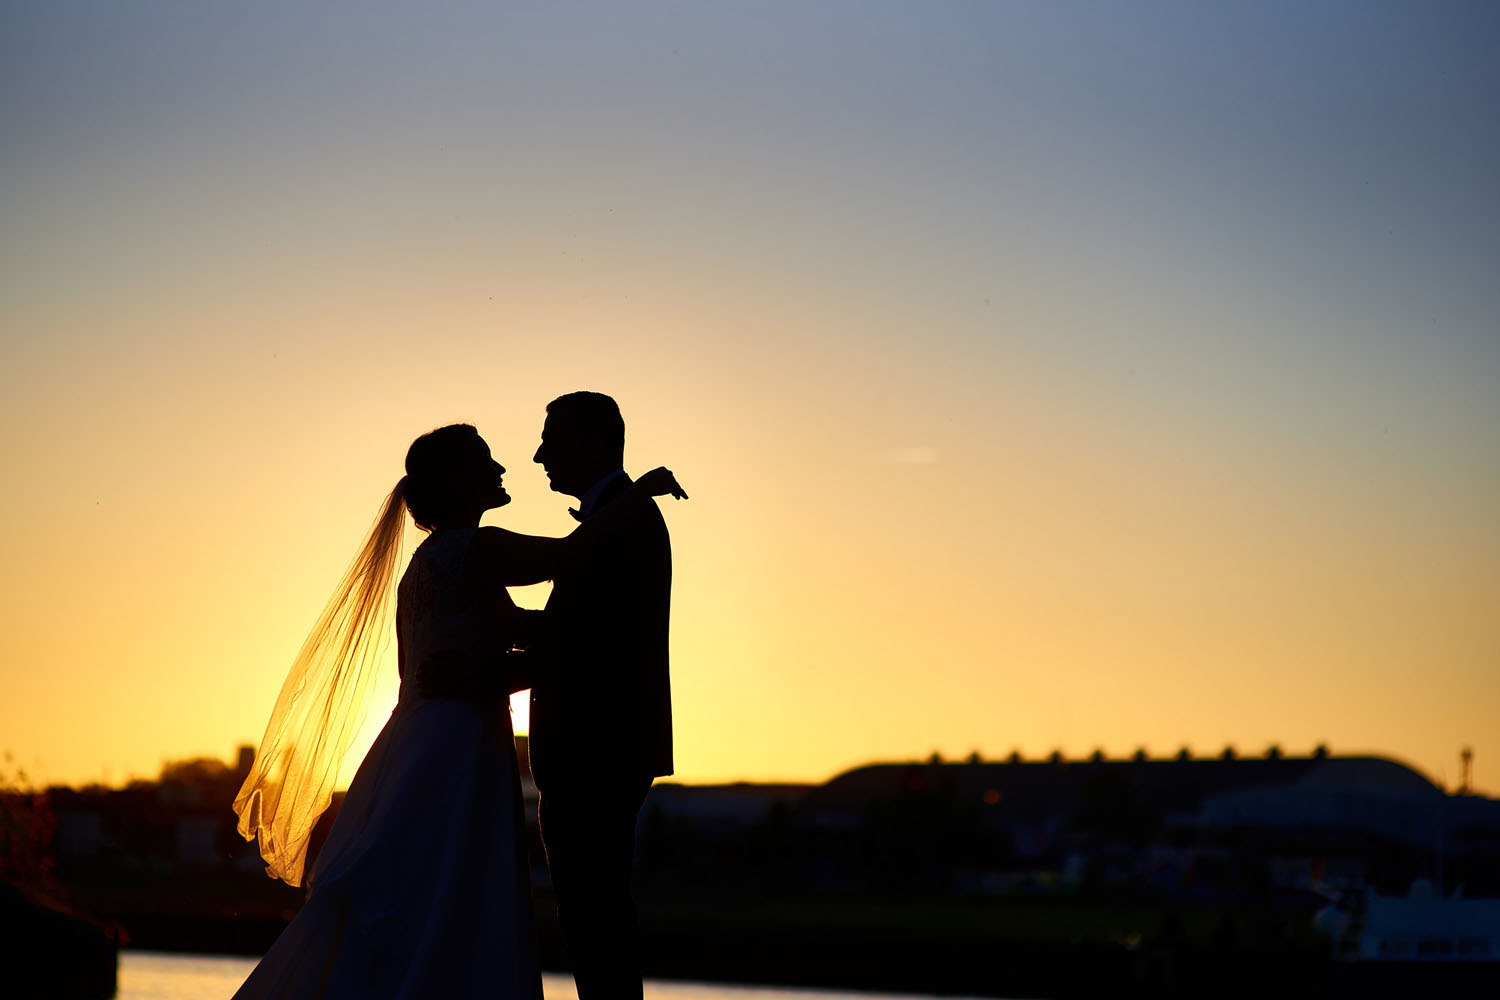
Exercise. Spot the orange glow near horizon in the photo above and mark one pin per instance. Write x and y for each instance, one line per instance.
(1006, 427)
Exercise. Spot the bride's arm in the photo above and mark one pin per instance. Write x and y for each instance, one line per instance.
(503, 558)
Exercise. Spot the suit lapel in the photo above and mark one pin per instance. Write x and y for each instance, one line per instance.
(612, 492)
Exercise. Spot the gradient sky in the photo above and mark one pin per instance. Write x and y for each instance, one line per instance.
(1045, 375)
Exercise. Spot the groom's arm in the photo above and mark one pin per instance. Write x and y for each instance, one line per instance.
(507, 669)
(528, 627)
(454, 677)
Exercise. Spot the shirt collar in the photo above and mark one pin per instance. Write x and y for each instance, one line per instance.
(588, 500)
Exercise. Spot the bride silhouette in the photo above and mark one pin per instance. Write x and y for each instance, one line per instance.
(422, 887)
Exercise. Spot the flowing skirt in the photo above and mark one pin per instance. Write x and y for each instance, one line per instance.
(422, 889)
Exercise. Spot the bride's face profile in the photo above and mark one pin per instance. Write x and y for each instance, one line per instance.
(485, 477)
(451, 479)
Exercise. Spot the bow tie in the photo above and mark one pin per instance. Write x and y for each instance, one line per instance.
(576, 514)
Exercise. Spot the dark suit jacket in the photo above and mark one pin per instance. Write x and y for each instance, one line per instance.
(601, 706)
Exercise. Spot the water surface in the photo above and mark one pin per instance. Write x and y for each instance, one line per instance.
(154, 975)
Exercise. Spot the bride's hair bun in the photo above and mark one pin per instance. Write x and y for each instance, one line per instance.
(430, 463)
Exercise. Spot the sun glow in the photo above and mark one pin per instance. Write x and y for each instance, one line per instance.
(1006, 427)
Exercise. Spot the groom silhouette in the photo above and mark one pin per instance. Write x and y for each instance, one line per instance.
(601, 710)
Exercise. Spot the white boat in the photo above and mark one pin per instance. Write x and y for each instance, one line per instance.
(1423, 945)
(1423, 927)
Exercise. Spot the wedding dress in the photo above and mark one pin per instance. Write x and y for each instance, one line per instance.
(422, 888)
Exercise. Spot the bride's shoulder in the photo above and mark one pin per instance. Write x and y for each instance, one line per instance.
(444, 550)
(485, 551)
(482, 544)
(487, 540)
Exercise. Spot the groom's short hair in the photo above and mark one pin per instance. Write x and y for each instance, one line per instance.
(592, 415)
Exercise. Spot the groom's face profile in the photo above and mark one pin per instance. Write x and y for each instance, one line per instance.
(566, 457)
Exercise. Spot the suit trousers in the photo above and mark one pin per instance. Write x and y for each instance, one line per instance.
(588, 829)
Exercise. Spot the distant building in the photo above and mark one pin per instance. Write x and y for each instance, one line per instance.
(1369, 793)
(1323, 820)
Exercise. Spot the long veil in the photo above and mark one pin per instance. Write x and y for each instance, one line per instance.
(322, 704)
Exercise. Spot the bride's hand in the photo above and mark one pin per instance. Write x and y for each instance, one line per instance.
(660, 482)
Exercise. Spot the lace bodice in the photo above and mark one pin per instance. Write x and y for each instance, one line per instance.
(436, 614)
